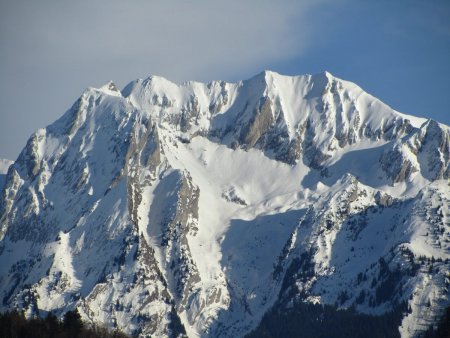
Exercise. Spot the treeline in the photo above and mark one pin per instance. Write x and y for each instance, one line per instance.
(443, 327)
(305, 320)
(14, 324)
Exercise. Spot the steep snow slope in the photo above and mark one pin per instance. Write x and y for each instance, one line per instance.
(193, 207)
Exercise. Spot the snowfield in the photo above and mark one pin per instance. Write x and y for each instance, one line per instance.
(167, 208)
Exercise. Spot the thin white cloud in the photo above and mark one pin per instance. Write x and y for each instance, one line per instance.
(52, 50)
(177, 39)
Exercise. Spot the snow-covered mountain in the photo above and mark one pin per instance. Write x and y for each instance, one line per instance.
(167, 208)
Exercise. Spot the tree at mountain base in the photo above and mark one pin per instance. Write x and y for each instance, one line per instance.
(306, 320)
(14, 325)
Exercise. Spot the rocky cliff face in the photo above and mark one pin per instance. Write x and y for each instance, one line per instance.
(168, 209)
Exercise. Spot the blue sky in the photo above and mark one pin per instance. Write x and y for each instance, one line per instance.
(52, 50)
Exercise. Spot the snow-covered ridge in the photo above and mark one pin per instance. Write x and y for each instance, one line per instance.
(167, 205)
(277, 114)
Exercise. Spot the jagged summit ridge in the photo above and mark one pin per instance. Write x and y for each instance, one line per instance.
(167, 207)
(276, 113)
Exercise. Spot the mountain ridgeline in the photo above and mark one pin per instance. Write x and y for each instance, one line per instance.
(221, 209)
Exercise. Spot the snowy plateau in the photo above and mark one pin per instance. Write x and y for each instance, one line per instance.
(193, 209)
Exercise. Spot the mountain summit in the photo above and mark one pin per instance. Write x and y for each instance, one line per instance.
(167, 209)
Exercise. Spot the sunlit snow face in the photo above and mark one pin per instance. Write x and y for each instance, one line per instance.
(206, 202)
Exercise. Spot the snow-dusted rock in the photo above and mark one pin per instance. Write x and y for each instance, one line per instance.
(167, 208)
